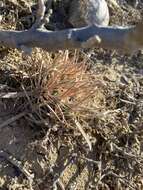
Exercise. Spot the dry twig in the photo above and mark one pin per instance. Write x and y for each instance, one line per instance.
(12, 119)
(10, 158)
(83, 134)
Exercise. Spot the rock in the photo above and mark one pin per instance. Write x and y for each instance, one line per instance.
(133, 3)
(88, 12)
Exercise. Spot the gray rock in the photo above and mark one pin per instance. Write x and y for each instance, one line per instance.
(133, 3)
(88, 12)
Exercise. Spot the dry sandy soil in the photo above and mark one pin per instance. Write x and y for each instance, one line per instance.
(70, 120)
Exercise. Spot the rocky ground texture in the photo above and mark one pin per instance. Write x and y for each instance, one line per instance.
(73, 119)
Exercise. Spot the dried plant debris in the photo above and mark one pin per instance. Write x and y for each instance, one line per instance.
(72, 119)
